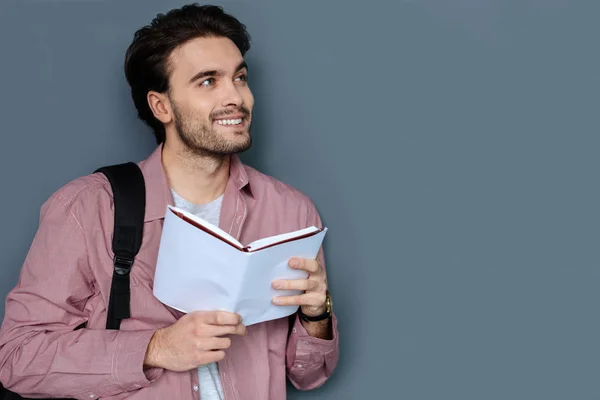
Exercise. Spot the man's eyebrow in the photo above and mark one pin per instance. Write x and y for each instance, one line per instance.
(204, 74)
(241, 66)
(216, 72)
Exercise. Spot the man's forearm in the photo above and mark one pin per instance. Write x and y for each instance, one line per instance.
(318, 329)
(151, 357)
(72, 350)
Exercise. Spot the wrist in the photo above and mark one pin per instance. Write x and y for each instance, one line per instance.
(318, 329)
(317, 314)
(312, 311)
(151, 359)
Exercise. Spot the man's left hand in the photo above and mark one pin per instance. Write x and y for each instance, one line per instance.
(312, 301)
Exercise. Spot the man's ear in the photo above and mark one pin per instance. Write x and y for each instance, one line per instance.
(161, 106)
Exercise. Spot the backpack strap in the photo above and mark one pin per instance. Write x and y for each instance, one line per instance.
(129, 195)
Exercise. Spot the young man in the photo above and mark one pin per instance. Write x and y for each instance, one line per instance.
(189, 83)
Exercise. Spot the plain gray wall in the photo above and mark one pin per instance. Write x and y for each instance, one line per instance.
(450, 146)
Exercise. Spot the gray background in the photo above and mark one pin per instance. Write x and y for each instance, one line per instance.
(451, 147)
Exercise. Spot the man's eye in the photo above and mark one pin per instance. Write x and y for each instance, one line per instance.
(208, 82)
(243, 78)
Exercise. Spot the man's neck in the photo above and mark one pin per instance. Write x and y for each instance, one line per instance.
(198, 179)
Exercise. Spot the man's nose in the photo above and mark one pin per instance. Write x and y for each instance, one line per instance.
(232, 96)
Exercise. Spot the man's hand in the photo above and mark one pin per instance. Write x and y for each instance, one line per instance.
(312, 301)
(195, 339)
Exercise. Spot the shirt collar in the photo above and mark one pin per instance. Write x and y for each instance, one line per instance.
(158, 191)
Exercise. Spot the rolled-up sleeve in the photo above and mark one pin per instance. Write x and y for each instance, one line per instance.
(41, 352)
(309, 360)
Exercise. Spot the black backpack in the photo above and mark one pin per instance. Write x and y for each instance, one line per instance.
(129, 193)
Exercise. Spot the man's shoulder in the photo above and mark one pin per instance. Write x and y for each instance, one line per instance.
(83, 190)
(267, 186)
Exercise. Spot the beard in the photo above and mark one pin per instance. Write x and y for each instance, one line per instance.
(201, 138)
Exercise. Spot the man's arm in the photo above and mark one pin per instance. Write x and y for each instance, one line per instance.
(310, 360)
(313, 347)
(41, 353)
(318, 329)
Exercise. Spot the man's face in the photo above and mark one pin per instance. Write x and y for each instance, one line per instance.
(209, 94)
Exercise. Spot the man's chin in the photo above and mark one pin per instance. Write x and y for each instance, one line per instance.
(239, 146)
(230, 149)
(245, 147)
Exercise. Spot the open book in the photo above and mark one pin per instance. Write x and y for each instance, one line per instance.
(202, 267)
(227, 238)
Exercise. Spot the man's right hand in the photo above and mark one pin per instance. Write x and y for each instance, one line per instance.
(195, 339)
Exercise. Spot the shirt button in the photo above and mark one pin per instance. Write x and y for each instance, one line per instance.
(299, 366)
(294, 330)
(92, 396)
(137, 386)
(195, 388)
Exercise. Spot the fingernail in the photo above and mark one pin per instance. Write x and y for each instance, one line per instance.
(277, 285)
(276, 300)
(294, 263)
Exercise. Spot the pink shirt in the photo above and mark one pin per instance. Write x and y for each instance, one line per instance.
(65, 281)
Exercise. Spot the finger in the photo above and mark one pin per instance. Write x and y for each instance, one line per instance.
(240, 330)
(216, 343)
(223, 318)
(305, 264)
(296, 284)
(222, 330)
(213, 356)
(307, 299)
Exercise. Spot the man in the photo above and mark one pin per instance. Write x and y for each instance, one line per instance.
(189, 82)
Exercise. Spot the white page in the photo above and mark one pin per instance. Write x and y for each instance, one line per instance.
(257, 244)
(196, 271)
(206, 224)
(267, 265)
(189, 275)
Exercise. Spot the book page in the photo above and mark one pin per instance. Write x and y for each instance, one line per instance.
(284, 237)
(256, 291)
(195, 270)
(209, 228)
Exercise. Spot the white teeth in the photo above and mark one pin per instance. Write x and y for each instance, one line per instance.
(229, 121)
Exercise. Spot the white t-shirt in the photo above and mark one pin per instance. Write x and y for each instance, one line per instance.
(208, 374)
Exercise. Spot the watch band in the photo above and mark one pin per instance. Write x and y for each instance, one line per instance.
(321, 317)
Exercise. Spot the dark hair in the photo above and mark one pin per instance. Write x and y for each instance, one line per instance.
(146, 59)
